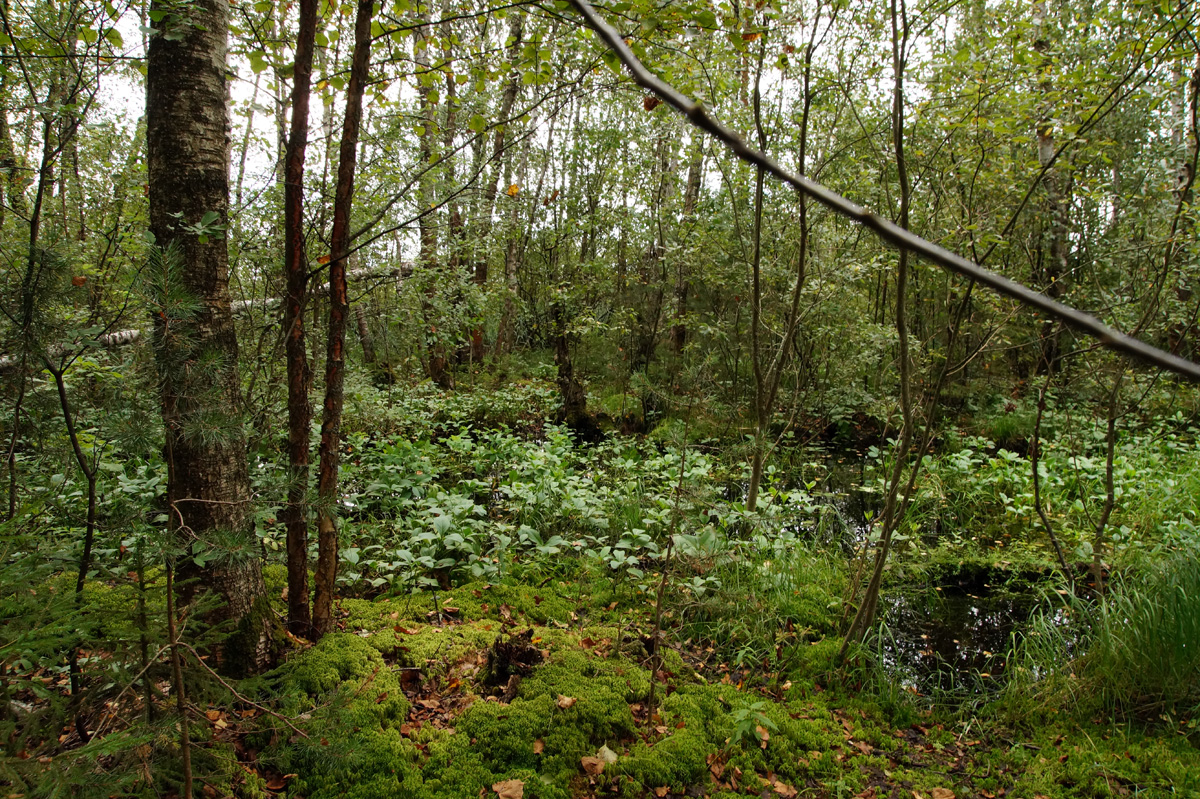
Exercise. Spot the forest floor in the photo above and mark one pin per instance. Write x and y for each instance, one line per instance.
(551, 690)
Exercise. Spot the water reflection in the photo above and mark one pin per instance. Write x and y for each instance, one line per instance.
(952, 639)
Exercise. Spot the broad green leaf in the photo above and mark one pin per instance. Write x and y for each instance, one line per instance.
(258, 61)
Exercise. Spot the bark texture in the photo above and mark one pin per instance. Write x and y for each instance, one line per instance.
(208, 489)
(299, 371)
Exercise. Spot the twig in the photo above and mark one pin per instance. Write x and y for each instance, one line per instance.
(241, 698)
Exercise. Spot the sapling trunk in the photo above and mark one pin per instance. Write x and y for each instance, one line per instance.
(299, 370)
(331, 422)
(1035, 452)
(185, 744)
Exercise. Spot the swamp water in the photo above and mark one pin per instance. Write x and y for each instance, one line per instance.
(954, 637)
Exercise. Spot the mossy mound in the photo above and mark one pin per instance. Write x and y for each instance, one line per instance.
(352, 705)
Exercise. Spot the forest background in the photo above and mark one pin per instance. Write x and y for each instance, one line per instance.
(557, 332)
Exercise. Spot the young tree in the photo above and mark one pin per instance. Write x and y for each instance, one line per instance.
(331, 420)
(299, 371)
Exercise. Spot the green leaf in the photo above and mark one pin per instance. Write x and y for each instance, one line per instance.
(258, 61)
(114, 38)
(610, 59)
(88, 35)
(477, 123)
(263, 6)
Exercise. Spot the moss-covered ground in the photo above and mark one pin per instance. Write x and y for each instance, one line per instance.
(407, 700)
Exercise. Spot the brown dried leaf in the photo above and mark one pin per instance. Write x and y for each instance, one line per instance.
(509, 789)
(594, 766)
(538, 746)
(942, 793)
(763, 735)
(661, 791)
(784, 790)
(565, 702)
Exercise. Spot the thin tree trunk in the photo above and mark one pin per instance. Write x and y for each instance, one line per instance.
(298, 369)
(766, 384)
(1055, 266)
(488, 205)
(437, 365)
(679, 331)
(364, 334)
(331, 421)
(893, 509)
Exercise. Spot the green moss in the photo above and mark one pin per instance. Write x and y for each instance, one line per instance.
(275, 580)
(352, 704)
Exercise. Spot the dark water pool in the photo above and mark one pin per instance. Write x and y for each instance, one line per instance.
(953, 639)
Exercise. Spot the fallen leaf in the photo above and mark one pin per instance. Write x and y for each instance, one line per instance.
(509, 789)
(606, 754)
(661, 791)
(594, 766)
(865, 748)
(565, 702)
(784, 790)
(538, 746)
(763, 735)
(277, 783)
(942, 793)
(212, 715)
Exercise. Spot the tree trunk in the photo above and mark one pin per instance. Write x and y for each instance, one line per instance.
(299, 372)
(488, 206)
(679, 331)
(437, 365)
(208, 485)
(1055, 268)
(335, 358)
